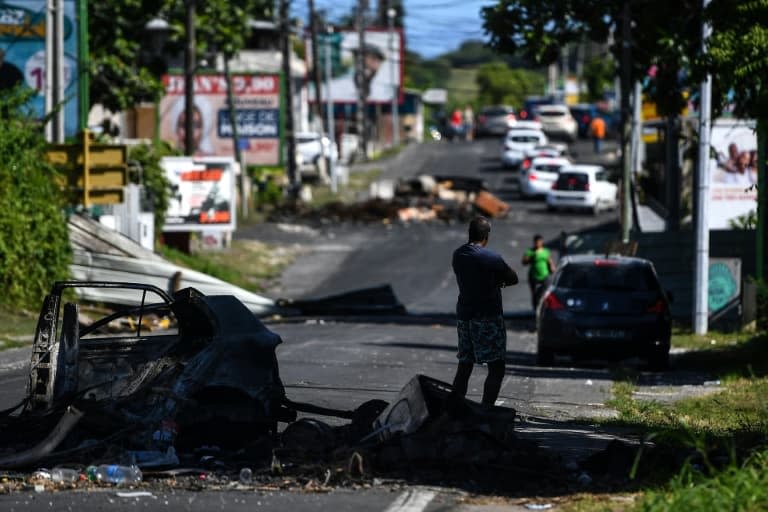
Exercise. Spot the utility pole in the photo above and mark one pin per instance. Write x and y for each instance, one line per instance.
(285, 46)
(626, 160)
(233, 119)
(391, 13)
(189, 77)
(361, 82)
(701, 271)
(54, 70)
(317, 107)
(329, 108)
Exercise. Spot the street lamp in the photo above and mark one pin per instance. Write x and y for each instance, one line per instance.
(391, 13)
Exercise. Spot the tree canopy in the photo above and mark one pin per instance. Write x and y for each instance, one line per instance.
(663, 35)
(499, 84)
(123, 69)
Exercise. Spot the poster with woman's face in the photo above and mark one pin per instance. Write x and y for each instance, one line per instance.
(733, 171)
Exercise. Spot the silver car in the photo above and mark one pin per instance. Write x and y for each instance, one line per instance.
(495, 120)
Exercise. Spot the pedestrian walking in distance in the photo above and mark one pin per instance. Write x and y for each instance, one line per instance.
(541, 267)
(597, 129)
(480, 274)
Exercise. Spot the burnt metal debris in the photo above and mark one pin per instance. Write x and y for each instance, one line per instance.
(189, 384)
(421, 199)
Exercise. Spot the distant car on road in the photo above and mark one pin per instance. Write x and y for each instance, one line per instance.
(583, 187)
(517, 143)
(495, 120)
(311, 153)
(604, 307)
(583, 113)
(537, 178)
(557, 121)
(531, 105)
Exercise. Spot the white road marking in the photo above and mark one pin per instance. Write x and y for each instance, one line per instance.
(411, 501)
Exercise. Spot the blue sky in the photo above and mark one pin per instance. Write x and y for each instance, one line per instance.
(432, 27)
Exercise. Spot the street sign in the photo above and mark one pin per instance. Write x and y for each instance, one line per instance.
(92, 173)
(435, 96)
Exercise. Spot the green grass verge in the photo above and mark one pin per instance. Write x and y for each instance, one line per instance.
(358, 185)
(248, 264)
(14, 325)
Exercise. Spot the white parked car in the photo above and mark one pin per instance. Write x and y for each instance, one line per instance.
(311, 153)
(584, 187)
(517, 143)
(537, 178)
(557, 121)
(551, 149)
(526, 125)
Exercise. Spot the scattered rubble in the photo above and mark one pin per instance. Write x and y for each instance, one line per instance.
(421, 199)
(193, 399)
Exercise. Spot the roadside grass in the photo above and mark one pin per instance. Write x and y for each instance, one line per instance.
(707, 452)
(248, 264)
(684, 338)
(14, 325)
(357, 187)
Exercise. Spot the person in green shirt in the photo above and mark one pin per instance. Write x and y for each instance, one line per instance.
(542, 266)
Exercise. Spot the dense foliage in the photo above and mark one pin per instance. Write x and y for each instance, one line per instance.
(124, 67)
(144, 169)
(34, 243)
(499, 84)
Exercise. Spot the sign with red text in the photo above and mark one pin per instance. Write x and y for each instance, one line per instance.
(257, 114)
(202, 193)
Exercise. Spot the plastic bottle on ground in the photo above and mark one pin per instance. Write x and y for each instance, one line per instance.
(114, 474)
(65, 475)
(246, 476)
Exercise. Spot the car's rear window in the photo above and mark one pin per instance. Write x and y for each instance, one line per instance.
(551, 113)
(572, 181)
(492, 112)
(524, 138)
(547, 168)
(607, 277)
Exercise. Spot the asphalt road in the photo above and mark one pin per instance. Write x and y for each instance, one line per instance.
(343, 364)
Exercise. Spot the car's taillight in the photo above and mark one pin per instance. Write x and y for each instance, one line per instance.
(606, 263)
(523, 114)
(657, 307)
(526, 163)
(532, 177)
(551, 301)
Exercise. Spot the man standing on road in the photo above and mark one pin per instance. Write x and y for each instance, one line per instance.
(480, 274)
(542, 266)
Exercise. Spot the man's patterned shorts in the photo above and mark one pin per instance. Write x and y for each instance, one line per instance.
(482, 340)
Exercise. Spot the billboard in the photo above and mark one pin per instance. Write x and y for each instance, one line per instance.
(22, 43)
(257, 113)
(383, 62)
(733, 172)
(202, 193)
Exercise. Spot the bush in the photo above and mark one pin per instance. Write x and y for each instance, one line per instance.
(34, 242)
(144, 167)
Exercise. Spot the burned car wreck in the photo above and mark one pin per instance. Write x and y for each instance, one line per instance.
(159, 379)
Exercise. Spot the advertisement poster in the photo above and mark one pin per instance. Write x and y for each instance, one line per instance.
(733, 172)
(383, 62)
(22, 54)
(257, 106)
(202, 193)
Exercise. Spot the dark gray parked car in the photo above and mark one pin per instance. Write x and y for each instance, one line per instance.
(604, 307)
(494, 120)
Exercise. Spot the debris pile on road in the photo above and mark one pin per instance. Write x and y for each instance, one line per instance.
(198, 403)
(421, 199)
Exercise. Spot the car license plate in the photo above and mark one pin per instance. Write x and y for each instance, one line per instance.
(612, 334)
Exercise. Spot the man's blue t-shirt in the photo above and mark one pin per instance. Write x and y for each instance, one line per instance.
(480, 273)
